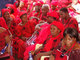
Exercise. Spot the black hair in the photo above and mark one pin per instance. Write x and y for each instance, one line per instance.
(64, 9)
(12, 11)
(72, 33)
(22, 15)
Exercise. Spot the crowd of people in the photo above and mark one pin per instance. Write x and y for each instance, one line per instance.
(49, 30)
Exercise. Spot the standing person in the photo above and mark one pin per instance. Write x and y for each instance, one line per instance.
(66, 20)
(69, 46)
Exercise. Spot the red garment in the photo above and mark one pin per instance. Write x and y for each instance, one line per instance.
(70, 22)
(51, 43)
(27, 29)
(53, 14)
(45, 36)
(3, 23)
(2, 39)
(37, 4)
(63, 3)
(54, 3)
(19, 47)
(23, 12)
(5, 10)
(16, 13)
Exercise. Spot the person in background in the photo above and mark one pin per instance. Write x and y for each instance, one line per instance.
(66, 20)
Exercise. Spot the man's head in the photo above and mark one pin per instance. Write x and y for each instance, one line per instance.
(63, 13)
(45, 9)
(6, 13)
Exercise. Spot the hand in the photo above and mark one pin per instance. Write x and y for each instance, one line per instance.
(32, 52)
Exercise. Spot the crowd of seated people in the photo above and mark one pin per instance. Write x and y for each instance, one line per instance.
(47, 30)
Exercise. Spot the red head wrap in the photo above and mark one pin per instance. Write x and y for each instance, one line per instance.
(37, 4)
(5, 10)
(54, 3)
(22, 12)
(59, 25)
(53, 14)
(11, 6)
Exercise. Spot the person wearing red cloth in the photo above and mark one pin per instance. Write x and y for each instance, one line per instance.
(14, 12)
(10, 23)
(42, 35)
(5, 39)
(24, 30)
(45, 10)
(52, 41)
(54, 6)
(69, 46)
(37, 12)
(63, 3)
(26, 26)
(66, 20)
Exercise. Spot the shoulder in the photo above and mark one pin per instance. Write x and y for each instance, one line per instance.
(73, 19)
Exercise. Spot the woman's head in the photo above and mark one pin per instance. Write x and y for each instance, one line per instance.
(11, 7)
(56, 28)
(70, 36)
(23, 16)
(6, 14)
(54, 31)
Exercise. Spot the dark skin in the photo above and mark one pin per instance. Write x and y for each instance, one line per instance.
(68, 42)
(7, 39)
(50, 19)
(64, 15)
(45, 9)
(24, 21)
(53, 7)
(54, 30)
(7, 18)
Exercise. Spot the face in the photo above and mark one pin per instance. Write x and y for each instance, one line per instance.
(69, 41)
(6, 15)
(44, 11)
(54, 31)
(62, 15)
(24, 18)
(37, 8)
(50, 19)
(53, 7)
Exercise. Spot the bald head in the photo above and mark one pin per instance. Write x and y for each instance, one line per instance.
(45, 9)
